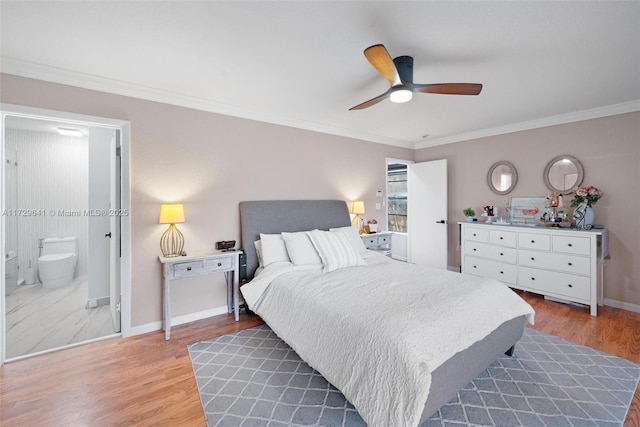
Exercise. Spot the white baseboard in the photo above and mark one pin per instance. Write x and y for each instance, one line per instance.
(179, 320)
(623, 305)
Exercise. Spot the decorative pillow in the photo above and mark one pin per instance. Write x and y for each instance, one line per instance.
(273, 249)
(335, 250)
(351, 232)
(258, 246)
(300, 249)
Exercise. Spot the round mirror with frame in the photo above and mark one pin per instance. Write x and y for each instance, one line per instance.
(502, 177)
(563, 174)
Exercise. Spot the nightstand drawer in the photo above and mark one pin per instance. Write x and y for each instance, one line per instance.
(188, 269)
(370, 241)
(218, 264)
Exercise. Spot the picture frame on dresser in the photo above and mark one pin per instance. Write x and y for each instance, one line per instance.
(526, 210)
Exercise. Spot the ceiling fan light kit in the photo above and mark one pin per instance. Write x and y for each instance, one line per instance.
(399, 74)
(400, 94)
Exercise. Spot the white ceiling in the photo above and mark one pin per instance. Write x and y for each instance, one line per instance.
(300, 63)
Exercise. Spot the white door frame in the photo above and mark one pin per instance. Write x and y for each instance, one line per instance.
(125, 233)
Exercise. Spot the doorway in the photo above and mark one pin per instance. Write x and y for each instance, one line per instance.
(63, 191)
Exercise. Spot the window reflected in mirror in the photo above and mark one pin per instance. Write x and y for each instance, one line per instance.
(502, 177)
(563, 173)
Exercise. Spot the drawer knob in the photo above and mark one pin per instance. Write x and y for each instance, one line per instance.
(533, 259)
(501, 254)
(474, 249)
(475, 266)
(502, 272)
(474, 234)
(533, 278)
(569, 245)
(188, 268)
(570, 285)
(501, 238)
(533, 241)
(219, 264)
(570, 264)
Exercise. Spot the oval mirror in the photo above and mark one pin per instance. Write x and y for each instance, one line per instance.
(563, 173)
(502, 177)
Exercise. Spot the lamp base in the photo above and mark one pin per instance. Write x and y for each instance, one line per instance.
(172, 242)
(359, 222)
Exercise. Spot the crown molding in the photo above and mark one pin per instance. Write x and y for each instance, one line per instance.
(87, 81)
(101, 84)
(594, 113)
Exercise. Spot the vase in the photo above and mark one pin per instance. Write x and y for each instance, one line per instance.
(584, 218)
(469, 219)
(589, 216)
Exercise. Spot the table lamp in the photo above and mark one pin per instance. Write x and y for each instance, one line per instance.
(172, 240)
(357, 208)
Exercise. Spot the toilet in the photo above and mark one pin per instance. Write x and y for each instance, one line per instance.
(57, 261)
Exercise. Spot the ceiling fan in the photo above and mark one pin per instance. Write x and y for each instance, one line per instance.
(399, 73)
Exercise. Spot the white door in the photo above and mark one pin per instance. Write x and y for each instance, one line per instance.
(427, 213)
(103, 233)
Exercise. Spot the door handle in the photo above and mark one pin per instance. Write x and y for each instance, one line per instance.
(108, 235)
(440, 222)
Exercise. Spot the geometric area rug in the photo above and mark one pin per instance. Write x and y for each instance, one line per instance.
(253, 378)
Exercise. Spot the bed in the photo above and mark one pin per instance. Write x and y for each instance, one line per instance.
(398, 340)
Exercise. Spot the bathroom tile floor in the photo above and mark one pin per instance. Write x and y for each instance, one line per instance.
(39, 319)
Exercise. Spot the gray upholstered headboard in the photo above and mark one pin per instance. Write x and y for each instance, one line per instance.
(276, 216)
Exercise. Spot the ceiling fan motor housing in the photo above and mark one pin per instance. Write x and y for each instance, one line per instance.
(404, 65)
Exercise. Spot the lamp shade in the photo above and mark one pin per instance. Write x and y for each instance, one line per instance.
(357, 207)
(171, 213)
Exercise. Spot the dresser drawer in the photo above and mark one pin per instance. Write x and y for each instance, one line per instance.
(503, 238)
(476, 234)
(553, 261)
(572, 245)
(497, 253)
(219, 264)
(569, 286)
(540, 242)
(503, 272)
(188, 269)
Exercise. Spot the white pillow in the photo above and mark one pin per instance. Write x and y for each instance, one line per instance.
(300, 248)
(273, 249)
(351, 232)
(335, 250)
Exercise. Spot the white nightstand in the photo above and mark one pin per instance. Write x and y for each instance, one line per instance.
(200, 263)
(380, 242)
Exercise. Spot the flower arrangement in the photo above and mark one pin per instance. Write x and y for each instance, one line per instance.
(589, 194)
(469, 212)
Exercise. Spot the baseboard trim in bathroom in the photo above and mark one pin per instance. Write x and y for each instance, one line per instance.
(97, 302)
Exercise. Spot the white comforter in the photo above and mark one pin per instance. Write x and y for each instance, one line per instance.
(377, 332)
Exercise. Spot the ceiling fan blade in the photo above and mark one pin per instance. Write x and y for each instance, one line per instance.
(449, 88)
(372, 101)
(378, 56)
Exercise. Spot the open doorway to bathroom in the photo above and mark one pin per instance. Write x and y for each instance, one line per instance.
(62, 222)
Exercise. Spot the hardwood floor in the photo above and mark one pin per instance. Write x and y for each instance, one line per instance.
(147, 381)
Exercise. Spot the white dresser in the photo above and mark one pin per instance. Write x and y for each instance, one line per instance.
(562, 264)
